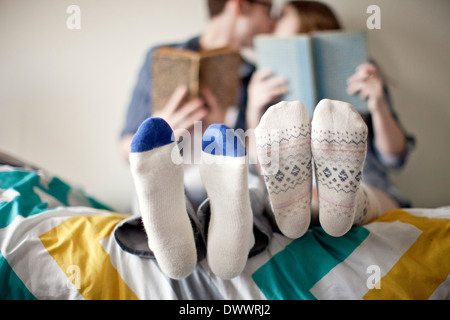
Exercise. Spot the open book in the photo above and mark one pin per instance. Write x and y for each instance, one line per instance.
(217, 70)
(315, 66)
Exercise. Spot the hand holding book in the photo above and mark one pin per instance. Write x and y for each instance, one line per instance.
(368, 84)
(264, 88)
(218, 70)
(215, 112)
(181, 113)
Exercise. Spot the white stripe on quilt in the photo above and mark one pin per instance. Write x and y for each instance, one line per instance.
(385, 244)
(438, 213)
(30, 260)
(7, 195)
(443, 291)
(142, 276)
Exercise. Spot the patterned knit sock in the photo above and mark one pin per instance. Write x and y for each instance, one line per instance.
(160, 191)
(367, 205)
(224, 173)
(338, 145)
(283, 144)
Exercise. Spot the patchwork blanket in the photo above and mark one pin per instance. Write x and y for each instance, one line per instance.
(58, 243)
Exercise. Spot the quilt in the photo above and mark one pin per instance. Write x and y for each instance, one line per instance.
(56, 242)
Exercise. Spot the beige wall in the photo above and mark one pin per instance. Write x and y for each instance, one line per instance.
(64, 93)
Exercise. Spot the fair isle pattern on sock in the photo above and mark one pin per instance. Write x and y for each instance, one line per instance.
(338, 145)
(283, 144)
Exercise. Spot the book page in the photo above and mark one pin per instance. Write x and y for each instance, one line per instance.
(337, 55)
(290, 57)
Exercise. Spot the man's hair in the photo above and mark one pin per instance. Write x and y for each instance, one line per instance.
(315, 16)
(216, 7)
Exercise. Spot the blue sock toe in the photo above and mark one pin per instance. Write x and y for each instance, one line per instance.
(219, 139)
(153, 133)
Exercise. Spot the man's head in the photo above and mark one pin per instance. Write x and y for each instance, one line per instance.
(251, 17)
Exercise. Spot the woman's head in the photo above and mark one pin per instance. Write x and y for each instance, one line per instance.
(304, 17)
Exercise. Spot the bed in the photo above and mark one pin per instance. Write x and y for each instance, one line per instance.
(56, 242)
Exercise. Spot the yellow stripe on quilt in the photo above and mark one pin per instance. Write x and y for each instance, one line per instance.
(423, 267)
(75, 246)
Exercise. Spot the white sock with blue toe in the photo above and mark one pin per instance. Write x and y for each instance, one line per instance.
(224, 173)
(160, 190)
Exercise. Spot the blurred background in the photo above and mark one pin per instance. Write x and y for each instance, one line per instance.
(64, 93)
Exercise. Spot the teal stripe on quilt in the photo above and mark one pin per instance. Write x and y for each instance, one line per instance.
(27, 203)
(291, 273)
(11, 287)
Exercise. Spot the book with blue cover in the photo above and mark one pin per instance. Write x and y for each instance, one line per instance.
(316, 66)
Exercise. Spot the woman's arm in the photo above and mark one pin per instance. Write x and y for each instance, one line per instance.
(389, 137)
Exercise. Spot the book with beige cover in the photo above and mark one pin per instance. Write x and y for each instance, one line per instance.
(217, 70)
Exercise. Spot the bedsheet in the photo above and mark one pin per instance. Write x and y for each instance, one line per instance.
(56, 242)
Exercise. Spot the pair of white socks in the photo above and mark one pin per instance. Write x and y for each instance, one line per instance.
(157, 170)
(336, 144)
(287, 145)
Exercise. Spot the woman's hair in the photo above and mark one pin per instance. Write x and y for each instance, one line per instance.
(315, 16)
(215, 7)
